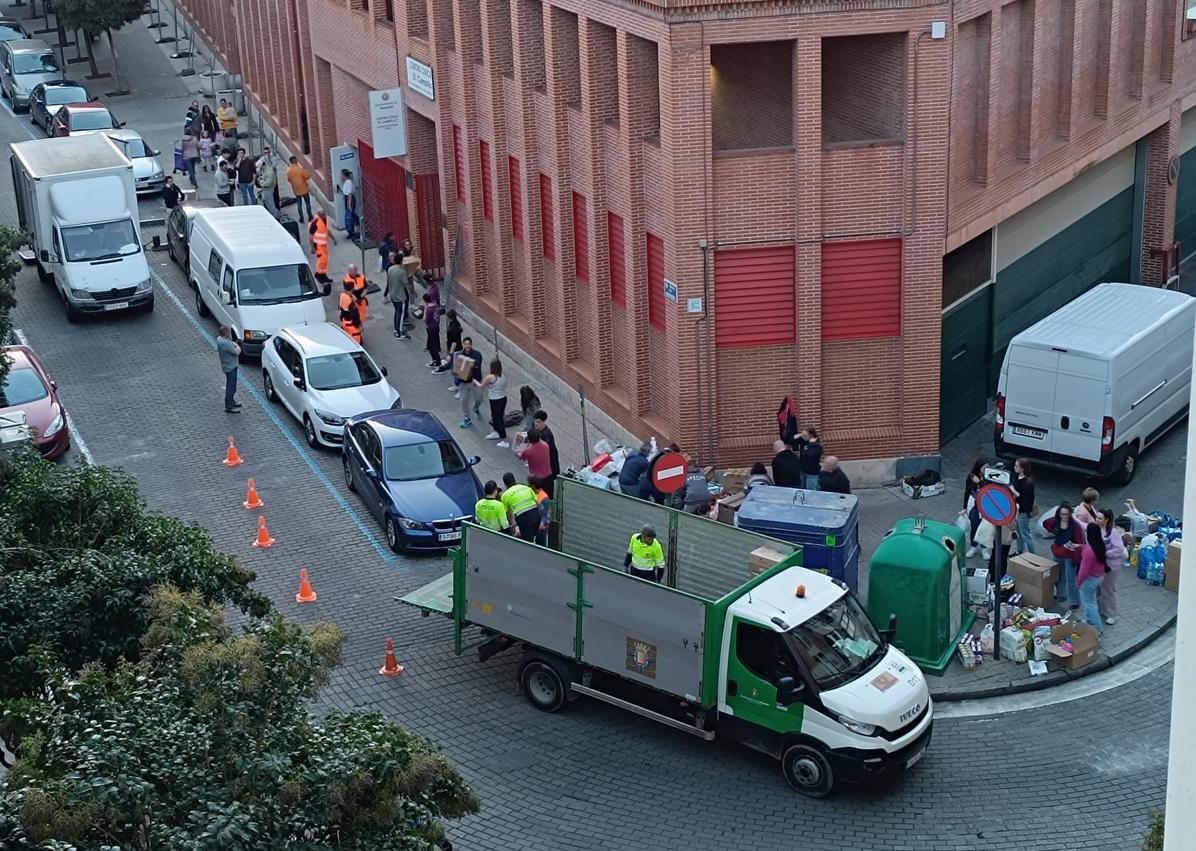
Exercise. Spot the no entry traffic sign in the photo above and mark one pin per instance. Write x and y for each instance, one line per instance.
(996, 504)
(668, 473)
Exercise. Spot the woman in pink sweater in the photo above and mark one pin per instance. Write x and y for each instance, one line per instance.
(1114, 559)
(1091, 576)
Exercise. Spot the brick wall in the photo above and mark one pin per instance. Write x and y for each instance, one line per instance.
(863, 88)
(751, 95)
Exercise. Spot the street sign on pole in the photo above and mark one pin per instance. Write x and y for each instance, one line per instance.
(997, 504)
(668, 474)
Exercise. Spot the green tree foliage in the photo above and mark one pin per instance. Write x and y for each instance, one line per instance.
(79, 555)
(94, 17)
(1154, 834)
(10, 240)
(206, 743)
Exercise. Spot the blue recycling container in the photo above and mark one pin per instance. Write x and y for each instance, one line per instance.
(827, 525)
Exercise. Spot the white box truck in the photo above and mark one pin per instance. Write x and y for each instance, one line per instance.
(1100, 379)
(76, 199)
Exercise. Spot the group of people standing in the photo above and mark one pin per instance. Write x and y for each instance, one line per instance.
(802, 463)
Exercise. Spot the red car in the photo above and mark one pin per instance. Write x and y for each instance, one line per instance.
(29, 389)
(75, 119)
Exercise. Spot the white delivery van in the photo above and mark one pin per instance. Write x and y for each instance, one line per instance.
(250, 273)
(76, 199)
(1100, 379)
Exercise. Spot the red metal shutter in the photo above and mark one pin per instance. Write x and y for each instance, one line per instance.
(458, 164)
(618, 260)
(487, 190)
(656, 307)
(581, 238)
(755, 291)
(861, 289)
(547, 222)
(516, 198)
(383, 195)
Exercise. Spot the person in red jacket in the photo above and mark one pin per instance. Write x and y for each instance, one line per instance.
(1068, 538)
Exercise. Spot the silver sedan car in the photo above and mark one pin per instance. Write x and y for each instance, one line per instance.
(147, 168)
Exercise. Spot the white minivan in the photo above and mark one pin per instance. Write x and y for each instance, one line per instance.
(1100, 379)
(251, 275)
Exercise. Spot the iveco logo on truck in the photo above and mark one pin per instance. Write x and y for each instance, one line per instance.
(910, 713)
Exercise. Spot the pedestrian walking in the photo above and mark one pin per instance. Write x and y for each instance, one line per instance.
(1091, 576)
(227, 116)
(1068, 540)
(206, 150)
(831, 478)
(349, 191)
(540, 427)
(386, 248)
(529, 403)
(207, 122)
(172, 196)
(645, 556)
(222, 184)
(970, 487)
(350, 317)
(300, 180)
(522, 506)
(356, 284)
(495, 387)
(396, 294)
(432, 326)
(1114, 561)
(537, 455)
(267, 183)
(1023, 489)
(190, 146)
(786, 466)
(452, 338)
(229, 353)
(246, 177)
(320, 234)
(809, 454)
(471, 376)
(194, 122)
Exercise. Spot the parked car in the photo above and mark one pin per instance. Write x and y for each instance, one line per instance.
(46, 98)
(11, 29)
(29, 389)
(77, 119)
(24, 63)
(178, 230)
(412, 476)
(148, 176)
(323, 378)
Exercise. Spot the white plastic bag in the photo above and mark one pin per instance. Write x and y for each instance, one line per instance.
(985, 535)
(963, 523)
(987, 638)
(1040, 523)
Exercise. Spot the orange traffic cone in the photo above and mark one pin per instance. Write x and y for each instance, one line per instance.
(253, 500)
(263, 535)
(232, 458)
(392, 668)
(306, 594)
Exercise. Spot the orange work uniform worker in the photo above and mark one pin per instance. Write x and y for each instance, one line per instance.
(350, 317)
(357, 283)
(319, 242)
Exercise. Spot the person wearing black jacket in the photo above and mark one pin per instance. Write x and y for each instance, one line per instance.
(786, 467)
(831, 479)
(1024, 489)
(631, 476)
(809, 450)
(540, 424)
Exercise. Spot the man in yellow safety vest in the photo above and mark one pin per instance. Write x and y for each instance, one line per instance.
(522, 505)
(645, 556)
(491, 513)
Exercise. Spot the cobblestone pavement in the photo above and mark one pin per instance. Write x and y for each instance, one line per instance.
(145, 392)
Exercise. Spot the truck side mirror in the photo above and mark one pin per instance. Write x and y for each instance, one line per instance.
(45, 255)
(890, 633)
(787, 690)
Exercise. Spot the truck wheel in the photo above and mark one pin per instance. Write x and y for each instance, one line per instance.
(1129, 465)
(807, 770)
(73, 315)
(200, 307)
(543, 685)
(42, 275)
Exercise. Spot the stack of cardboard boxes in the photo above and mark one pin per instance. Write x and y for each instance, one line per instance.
(1034, 577)
(762, 559)
(1171, 566)
(733, 482)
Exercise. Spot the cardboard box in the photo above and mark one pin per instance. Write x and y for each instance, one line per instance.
(1085, 646)
(463, 367)
(977, 586)
(1171, 566)
(762, 559)
(734, 480)
(1034, 577)
(727, 506)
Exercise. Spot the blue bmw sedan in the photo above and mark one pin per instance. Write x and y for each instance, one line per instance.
(412, 476)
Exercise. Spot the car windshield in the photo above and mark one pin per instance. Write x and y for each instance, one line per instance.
(276, 284)
(423, 461)
(344, 369)
(22, 387)
(34, 63)
(92, 119)
(133, 148)
(838, 644)
(10, 32)
(58, 95)
(101, 241)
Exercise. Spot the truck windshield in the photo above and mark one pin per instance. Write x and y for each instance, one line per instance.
(838, 644)
(103, 241)
(276, 284)
(34, 63)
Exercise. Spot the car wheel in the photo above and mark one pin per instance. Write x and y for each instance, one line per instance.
(309, 431)
(268, 384)
(807, 770)
(393, 538)
(148, 307)
(348, 474)
(73, 314)
(1129, 466)
(200, 307)
(543, 684)
(170, 251)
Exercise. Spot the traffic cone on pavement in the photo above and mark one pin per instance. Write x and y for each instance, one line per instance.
(306, 594)
(391, 668)
(263, 534)
(253, 500)
(232, 458)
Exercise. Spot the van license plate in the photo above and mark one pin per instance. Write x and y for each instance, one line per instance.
(913, 760)
(120, 305)
(1023, 431)
(449, 536)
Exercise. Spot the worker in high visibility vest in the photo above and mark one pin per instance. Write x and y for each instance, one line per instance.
(491, 513)
(645, 556)
(349, 316)
(360, 284)
(320, 234)
(522, 506)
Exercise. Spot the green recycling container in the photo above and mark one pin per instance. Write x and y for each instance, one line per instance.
(917, 574)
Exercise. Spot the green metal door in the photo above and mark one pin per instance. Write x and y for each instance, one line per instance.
(1185, 204)
(963, 378)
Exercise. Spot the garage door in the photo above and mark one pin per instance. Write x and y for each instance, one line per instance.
(1185, 194)
(384, 195)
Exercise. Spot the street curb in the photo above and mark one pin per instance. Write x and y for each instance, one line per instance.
(1057, 677)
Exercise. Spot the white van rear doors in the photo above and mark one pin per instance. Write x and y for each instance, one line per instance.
(1080, 406)
(1030, 396)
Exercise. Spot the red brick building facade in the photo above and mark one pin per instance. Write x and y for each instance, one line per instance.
(694, 210)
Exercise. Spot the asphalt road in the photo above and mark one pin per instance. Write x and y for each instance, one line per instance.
(144, 391)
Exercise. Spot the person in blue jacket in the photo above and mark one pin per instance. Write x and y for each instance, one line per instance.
(631, 477)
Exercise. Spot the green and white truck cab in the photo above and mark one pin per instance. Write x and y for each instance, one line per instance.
(785, 661)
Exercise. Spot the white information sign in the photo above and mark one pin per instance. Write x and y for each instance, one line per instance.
(419, 78)
(388, 123)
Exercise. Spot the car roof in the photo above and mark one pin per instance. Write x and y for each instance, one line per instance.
(402, 426)
(321, 338)
(21, 357)
(59, 83)
(27, 45)
(84, 107)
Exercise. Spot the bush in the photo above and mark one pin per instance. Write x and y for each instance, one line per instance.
(1154, 834)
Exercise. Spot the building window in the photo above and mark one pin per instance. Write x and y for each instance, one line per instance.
(751, 95)
(967, 268)
(417, 19)
(487, 190)
(389, 10)
(861, 289)
(755, 295)
(547, 222)
(618, 260)
(458, 165)
(863, 88)
(581, 238)
(516, 198)
(656, 308)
